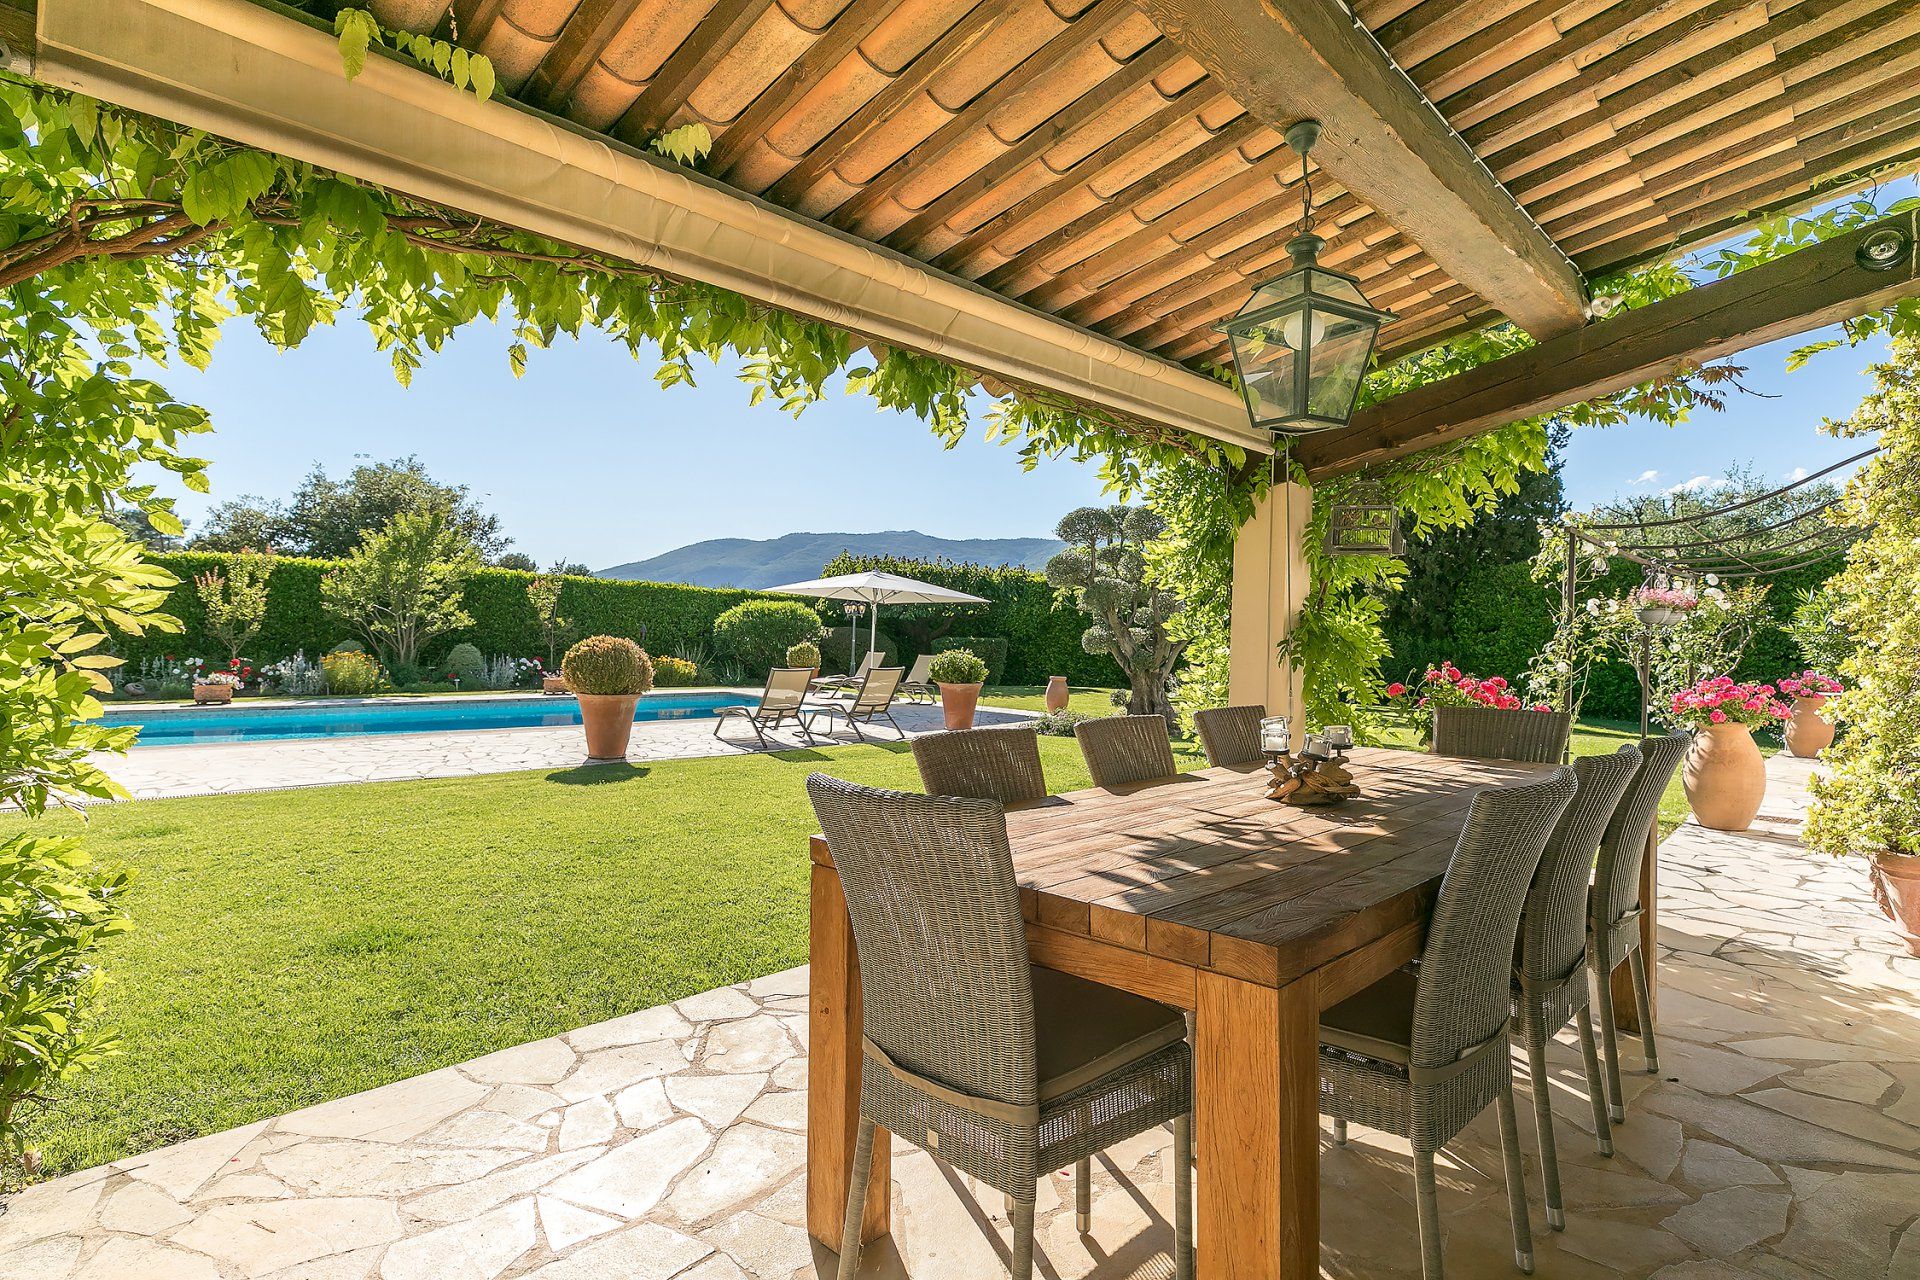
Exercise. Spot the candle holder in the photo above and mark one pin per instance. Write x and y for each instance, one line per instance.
(1317, 775)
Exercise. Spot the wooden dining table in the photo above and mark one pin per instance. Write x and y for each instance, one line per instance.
(1199, 892)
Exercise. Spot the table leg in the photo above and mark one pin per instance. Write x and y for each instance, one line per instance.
(833, 1072)
(1626, 1008)
(1257, 1129)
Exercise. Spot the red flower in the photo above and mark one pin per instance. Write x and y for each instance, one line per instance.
(1395, 689)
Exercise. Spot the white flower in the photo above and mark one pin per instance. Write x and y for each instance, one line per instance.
(1593, 607)
(1713, 579)
(1563, 666)
(1599, 564)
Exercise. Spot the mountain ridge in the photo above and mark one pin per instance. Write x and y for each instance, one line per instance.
(758, 563)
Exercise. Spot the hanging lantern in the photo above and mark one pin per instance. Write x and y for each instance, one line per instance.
(1364, 522)
(1302, 343)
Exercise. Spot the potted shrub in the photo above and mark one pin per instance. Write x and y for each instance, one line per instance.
(1808, 732)
(217, 687)
(1867, 797)
(1660, 607)
(959, 674)
(804, 654)
(607, 674)
(1459, 709)
(1724, 773)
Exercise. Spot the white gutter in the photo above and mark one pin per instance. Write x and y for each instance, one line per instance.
(266, 80)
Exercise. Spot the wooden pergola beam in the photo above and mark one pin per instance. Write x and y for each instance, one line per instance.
(1287, 60)
(1815, 286)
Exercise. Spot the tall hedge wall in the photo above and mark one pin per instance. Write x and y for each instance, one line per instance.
(659, 615)
(1042, 631)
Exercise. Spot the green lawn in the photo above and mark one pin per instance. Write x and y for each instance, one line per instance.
(296, 946)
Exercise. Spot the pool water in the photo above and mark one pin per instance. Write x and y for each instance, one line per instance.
(242, 723)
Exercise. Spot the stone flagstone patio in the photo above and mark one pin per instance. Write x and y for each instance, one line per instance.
(1782, 1140)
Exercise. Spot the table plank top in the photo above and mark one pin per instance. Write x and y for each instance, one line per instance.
(1202, 869)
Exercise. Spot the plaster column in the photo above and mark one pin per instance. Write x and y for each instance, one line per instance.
(1269, 584)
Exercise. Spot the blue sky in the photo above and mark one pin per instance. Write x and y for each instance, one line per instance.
(586, 458)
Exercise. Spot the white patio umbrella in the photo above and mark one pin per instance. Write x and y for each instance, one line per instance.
(874, 589)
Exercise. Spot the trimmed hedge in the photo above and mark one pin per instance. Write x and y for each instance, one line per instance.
(658, 615)
(991, 650)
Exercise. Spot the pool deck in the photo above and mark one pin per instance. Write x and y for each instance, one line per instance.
(1779, 1141)
(224, 768)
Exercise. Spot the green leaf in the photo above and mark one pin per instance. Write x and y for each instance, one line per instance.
(356, 29)
(480, 68)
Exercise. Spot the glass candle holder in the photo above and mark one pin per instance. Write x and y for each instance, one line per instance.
(1276, 735)
(1338, 736)
(1315, 747)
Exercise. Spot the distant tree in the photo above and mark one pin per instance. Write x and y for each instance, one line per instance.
(135, 523)
(543, 593)
(570, 568)
(401, 586)
(1105, 567)
(328, 517)
(246, 521)
(235, 602)
(516, 560)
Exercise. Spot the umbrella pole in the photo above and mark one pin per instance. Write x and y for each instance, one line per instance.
(873, 634)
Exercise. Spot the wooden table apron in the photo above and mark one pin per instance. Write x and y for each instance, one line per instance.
(1199, 892)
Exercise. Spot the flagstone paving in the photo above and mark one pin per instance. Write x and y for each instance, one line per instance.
(1781, 1140)
(224, 768)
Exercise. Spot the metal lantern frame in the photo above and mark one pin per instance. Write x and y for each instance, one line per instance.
(1318, 293)
(1364, 522)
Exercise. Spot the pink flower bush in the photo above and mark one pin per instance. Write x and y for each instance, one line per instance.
(1664, 598)
(1448, 686)
(1719, 700)
(1809, 684)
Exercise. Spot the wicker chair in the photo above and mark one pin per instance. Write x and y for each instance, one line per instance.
(1613, 906)
(1420, 1055)
(1124, 749)
(1002, 1070)
(1230, 735)
(1490, 733)
(1550, 959)
(986, 764)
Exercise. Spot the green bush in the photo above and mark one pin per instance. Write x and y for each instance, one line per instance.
(758, 633)
(468, 667)
(607, 665)
(674, 673)
(1059, 724)
(804, 654)
(350, 673)
(842, 648)
(958, 666)
(348, 646)
(991, 650)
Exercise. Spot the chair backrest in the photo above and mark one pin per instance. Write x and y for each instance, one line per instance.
(786, 688)
(989, 764)
(877, 688)
(945, 987)
(1230, 735)
(922, 670)
(1623, 849)
(1464, 992)
(1489, 733)
(873, 659)
(1124, 749)
(1554, 936)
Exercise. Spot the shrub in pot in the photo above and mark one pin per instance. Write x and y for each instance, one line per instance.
(607, 674)
(757, 633)
(1867, 799)
(1460, 712)
(959, 673)
(1724, 773)
(1808, 732)
(805, 654)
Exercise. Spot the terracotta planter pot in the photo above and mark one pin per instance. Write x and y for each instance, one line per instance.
(1809, 733)
(1725, 776)
(213, 693)
(1896, 887)
(1057, 693)
(957, 703)
(608, 720)
(553, 684)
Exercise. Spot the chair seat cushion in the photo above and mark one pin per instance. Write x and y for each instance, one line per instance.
(1084, 1030)
(1377, 1022)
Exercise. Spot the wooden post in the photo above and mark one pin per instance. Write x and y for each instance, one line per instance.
(1269, 585)
(1257, 1129)
(833, 1072)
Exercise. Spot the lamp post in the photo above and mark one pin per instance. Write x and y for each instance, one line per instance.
(1303, 341)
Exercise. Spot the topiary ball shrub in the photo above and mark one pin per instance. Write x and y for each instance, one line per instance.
(958, 666)
(758, 633)
(350, 673)
(348, 646)
(607, 664)
(674, 673)
(804, 654)
(465, 664)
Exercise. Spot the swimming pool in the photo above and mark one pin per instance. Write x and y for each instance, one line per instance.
(172, 726)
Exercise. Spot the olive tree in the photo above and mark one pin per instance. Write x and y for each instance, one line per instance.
(1104, 565)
